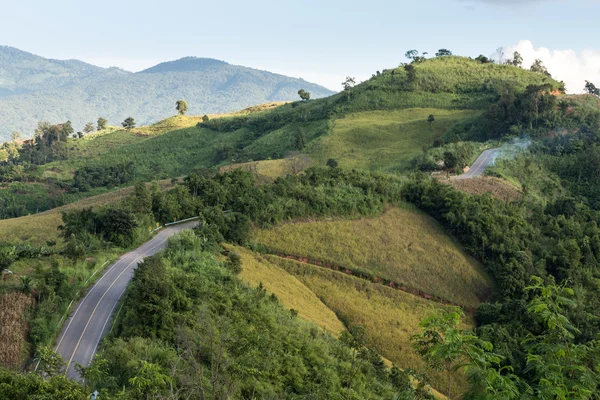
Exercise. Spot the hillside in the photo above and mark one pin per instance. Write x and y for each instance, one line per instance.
(36, 89)
(381, 124)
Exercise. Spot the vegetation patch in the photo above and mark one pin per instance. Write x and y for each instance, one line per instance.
(267, 171)
(258, 271)
(402, 245)
(14, 312)
(384, 140)
(390, 317)
(495, 187)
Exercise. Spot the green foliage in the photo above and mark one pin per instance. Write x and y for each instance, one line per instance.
(26, 386)
(101, 125)
(89, 128)
(213, 340)
(304, 95)
(112, 224)
(110, 176)
(129, 123)
(181, 106)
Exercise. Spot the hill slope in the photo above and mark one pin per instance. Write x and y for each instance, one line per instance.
(36, 89)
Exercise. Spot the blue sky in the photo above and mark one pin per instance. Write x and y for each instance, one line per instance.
(321, 41)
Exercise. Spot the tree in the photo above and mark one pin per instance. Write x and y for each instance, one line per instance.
(443, 52)
(430, 119)
(411, 72)
(591, 88)
(129, 123)
(539, 68)
(517, 59)
(483, 59)
(450, 160)
(500, 52)
(446, 348)
(332, 163)
(89, 127)
(50, 362)
(79, 135)
(205, 118)
(348, 84)
(412, 54)
(300, 139)
(181, 106)
(304, 95)
(101, 124)
(15, 136)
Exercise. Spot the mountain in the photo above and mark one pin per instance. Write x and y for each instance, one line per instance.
(34, 89)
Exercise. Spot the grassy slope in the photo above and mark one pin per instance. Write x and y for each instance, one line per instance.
(289, 290)
(43, 227)
(389, 317)
(384, 140)
(403, 245)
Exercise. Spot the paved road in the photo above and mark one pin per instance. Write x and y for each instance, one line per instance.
(83, 331)
(483, 161)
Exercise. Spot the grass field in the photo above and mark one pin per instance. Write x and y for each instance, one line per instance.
(403, 245)
(289, 290)
(383, 140)
(389, 317)
(43, 227)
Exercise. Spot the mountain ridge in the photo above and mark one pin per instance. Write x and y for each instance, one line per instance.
(34, 89)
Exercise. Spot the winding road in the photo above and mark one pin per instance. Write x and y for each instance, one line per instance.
(82, 332)
(483, 161)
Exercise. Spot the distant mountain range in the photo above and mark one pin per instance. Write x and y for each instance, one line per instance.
(33, 89)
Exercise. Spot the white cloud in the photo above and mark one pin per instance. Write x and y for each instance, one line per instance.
(570, 66)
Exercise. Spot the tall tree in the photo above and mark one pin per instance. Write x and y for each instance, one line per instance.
(89, 127)
(181, 106)
(539, 68)
(412, 54)
(101, 124)
(517, 59)
(591, 88)
(348, 84)
(129, 123)
(304, 95)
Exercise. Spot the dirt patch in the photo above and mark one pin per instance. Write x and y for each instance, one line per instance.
(496, 187)
(14, 308)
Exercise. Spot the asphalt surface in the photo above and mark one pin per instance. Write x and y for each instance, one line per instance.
(483, 161)
(83, 330)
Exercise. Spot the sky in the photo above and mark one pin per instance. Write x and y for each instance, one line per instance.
(321, 41)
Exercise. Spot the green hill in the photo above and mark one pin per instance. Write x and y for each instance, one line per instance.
(381, 124)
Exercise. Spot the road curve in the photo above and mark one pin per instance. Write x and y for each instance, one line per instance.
(82, 332)
(483, 161)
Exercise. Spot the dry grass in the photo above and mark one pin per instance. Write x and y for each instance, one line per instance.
(267, 171)
(389, 317)
(496, 187)
(403, 245)
(289, 290)
(43, 227)
(14, 308)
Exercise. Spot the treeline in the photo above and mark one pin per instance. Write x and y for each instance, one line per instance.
(90, 177)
